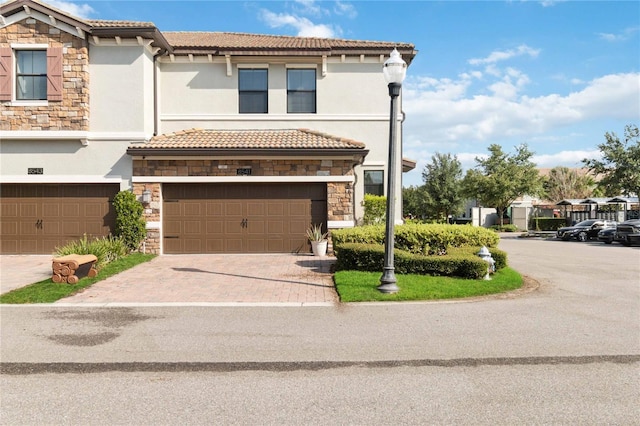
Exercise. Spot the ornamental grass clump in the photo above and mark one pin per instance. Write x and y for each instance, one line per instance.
(105, 249)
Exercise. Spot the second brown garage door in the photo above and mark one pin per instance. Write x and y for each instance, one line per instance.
(37, 218)
(241, 218)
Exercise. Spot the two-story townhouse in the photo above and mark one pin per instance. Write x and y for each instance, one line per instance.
(233, 142)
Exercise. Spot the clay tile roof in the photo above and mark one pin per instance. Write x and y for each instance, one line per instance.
(256, 43)
(300, 139)
(102, 23)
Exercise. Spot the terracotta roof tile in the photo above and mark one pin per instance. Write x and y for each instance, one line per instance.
(302, 139)
(252, 42)
(102, 23)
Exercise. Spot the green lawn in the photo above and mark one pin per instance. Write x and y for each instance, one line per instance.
(47, 291)
(357, 286)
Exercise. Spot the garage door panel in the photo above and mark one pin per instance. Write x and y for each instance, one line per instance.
(233, 245)
(192, 245)
(215, 208)
(276, 208)
(256, 227)
(299, 208)
(233, 208)
(173, 227)
(68, 228)
(276, 246)
(275, 227)
(29, 228)
(255, 245)
(192, 227)
(29, 209)
(49, 215)
(214, 227)
(192, 209)
(245, 218)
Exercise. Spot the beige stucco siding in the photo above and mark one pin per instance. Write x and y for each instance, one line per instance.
(122, 89)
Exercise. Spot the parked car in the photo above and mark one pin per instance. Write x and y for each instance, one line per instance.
(628, 232)
(607, 235)
(585, 230)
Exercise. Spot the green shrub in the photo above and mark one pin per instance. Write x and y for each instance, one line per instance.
(499, 256)
(547, 223)
(375, 209)
(130, 225)
(105, 249)
(419, 238)
(504, 228)
(370, 257)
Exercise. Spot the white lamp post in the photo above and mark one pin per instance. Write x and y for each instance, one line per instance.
(394, 71)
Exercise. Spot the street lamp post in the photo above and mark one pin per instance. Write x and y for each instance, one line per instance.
(394, 71)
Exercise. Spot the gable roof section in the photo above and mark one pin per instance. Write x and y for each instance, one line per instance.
(260, 44)
(217, 43)
(288, 142)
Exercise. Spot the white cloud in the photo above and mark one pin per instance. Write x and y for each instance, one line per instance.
(622, 36)
(345, 9)
(498, 55)
(304, 26)
(309, 7)
(564, 158)
(75, 9)
(443, 110)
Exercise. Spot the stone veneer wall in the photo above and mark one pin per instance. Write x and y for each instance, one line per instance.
(339, 194)
(228, 167)
(151, 214)
(72, 113)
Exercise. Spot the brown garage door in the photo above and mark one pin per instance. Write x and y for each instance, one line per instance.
(34, 219)
(241, 218)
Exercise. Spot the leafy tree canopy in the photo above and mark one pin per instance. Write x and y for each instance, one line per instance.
(442, 186)
(563, 183)
(619, 165)
(499, 179)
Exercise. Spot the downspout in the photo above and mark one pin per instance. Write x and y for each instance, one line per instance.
(155, 94)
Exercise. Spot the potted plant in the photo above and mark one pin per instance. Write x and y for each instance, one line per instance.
(318, 240)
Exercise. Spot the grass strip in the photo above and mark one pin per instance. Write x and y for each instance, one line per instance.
(358, 286)
(47, 291)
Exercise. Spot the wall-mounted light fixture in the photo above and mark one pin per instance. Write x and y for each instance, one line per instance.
(146, 197)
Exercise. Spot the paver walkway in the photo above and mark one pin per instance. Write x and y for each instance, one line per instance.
(263, 278)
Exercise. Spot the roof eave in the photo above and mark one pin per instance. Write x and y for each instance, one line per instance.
(217, 152)
(146, 32)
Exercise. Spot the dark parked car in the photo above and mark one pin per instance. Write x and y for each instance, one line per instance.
(585, 230)
(628, 232)
(607, 235)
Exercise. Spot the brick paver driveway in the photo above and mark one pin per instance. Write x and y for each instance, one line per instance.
(263, 278)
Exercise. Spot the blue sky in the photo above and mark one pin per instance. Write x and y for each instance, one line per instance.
(556, 75)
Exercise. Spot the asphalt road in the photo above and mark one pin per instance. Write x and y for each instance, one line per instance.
(566, 352)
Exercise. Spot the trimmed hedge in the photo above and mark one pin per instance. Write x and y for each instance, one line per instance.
(419, 238)
(548, 223)
(370, 257)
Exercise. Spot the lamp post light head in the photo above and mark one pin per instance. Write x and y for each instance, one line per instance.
(394, 69)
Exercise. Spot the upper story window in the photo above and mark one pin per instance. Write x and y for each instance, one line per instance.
(301, 90)
(253, 91)
(374, 182)
(31, 75)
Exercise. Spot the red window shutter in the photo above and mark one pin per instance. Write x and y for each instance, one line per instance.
(6, 67)
(54, 74)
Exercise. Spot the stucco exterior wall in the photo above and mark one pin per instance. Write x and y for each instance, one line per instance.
(65, 161)
(352, 102)
(72, 113)
(122, 84)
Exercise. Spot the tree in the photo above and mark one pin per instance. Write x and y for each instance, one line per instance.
(564, 182)
(619, 167)
(498, 180)
(413, 201)
(442, 186)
